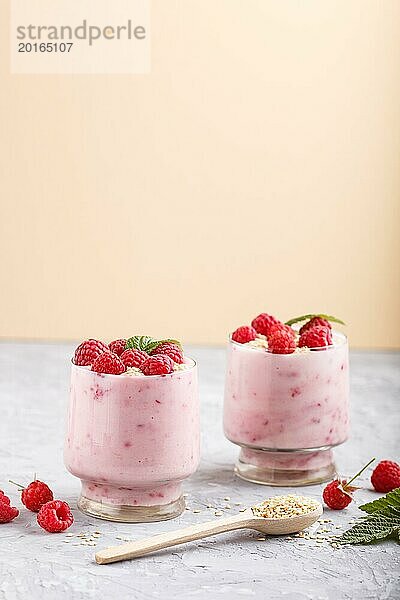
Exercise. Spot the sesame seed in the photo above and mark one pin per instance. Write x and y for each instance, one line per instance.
(278, 507)
(227, 498)
(196, 510)
(218, 513)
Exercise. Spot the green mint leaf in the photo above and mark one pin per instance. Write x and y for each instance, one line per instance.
(386, 503)
(142, 342)
(308, 317)
(377, 526)
(383, 521)
(147, 343)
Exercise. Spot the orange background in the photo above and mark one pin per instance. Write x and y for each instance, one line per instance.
(256, 168)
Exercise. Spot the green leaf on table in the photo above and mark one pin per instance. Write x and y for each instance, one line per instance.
(382, 521)
(375, 527)
(390, 501)
(311, 316)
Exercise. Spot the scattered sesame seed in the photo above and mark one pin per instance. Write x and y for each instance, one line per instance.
(227, 498)
(242, 509)
(218, 513)
(196, 510)
(227, 506)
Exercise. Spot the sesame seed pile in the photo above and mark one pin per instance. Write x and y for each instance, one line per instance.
(281, 507)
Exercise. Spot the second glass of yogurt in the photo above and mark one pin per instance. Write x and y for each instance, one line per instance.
(132, 438)
(288, 409)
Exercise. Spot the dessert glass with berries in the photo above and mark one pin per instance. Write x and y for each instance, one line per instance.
(133, 431)
(287, 399)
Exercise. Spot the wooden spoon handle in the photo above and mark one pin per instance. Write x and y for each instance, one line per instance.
(173, 538)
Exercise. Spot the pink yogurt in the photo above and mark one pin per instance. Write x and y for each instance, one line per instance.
(287, 401)
(133, 439)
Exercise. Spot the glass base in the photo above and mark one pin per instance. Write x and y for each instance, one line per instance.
(285, 468)
(131, 505)
(131, 514)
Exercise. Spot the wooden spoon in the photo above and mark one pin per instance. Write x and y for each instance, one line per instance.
(244, 520)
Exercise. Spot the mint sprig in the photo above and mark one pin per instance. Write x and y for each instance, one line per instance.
(387, 503)
(311, 316)
(383, 521)
(147, 344)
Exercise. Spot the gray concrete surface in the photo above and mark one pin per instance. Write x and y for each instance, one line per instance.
(36, 565)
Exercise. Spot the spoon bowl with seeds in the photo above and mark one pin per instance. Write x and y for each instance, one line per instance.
(279, 515)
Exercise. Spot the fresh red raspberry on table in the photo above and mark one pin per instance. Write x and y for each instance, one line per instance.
(7, 512)
(317, 337)
(281, 342)
(87, 352)
(334, 497)
(386, 476)
(315, 322)
(159, 364)
(117, 346)
(279, 326)
(109, 363)
(133, 357)
(35, 495)
(174, 351)
(3, 498)
(244, 334)
(55, 516)
(263, 323)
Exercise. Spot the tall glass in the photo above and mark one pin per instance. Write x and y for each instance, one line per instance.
(287, 411)
(132, 440)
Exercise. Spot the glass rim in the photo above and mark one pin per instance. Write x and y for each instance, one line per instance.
(135, 377)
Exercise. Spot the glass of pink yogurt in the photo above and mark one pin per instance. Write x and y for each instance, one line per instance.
(132, 439)
(287, 411)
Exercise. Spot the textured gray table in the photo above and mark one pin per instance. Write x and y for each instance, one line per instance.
(33, 564)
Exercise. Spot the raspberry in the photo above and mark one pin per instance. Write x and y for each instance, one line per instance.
(281, 342)
(133, 357)
(159, 364)
(117, 346)
(35, 495)
(334, 497)
(110, 363)
(244, 334)
(87, 352)
(315, 322)
(55, 516)
(4, 499)
(263, 323)
(7, 512)
(317, 337)
(172, 350)
(279, 326)
(386, 476)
